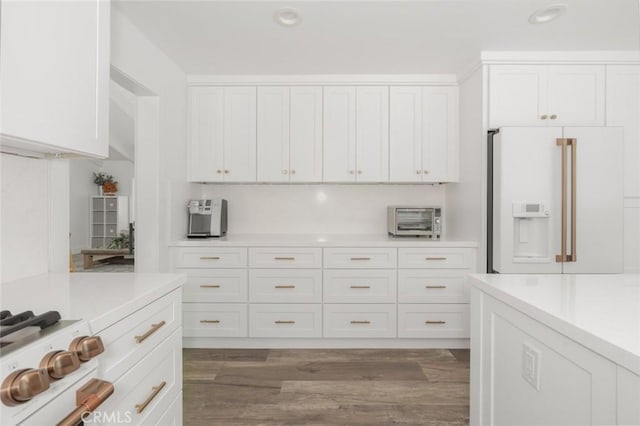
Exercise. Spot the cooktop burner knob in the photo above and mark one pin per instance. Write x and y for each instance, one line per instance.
(60, 363)
(87, 347)
(22, 385)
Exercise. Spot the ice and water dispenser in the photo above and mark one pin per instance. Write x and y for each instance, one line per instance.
(531, 222)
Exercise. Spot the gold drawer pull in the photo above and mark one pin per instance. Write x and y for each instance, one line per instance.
(154, 328)
(435, 286)
(360, 258)
(210, 321)
(285, 286)
(360, 322)
(360, 286)
(285, 322)
(435, 322)
(210, 286)
(154, 391)
(284, 258)
(435, 258)
(209, 257)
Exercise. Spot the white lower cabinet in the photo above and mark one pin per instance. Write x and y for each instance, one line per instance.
(433, 320)
(357, 285)
(279, 320)
(360, 320)
(173, 415)
(433, 286)
(215, 285)
(285, 286)
(215, 319)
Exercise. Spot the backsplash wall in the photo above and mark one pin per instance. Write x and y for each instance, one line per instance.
(318, 209)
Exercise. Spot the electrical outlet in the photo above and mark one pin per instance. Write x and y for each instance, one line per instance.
(531, 365)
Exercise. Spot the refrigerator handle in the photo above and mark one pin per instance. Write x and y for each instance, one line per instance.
(564, 143)
(573, 143)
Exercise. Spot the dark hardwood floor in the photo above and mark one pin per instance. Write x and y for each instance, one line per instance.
(326, 387)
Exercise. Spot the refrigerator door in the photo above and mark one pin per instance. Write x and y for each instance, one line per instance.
(526, 200)
(599, 215)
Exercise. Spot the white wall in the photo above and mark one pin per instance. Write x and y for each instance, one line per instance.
(166, 192)
(317, 209)
(24, 213)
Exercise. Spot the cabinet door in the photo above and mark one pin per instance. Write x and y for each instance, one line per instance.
(576, 95)
(305, 151)
(517, 95)
(240, 134)
(55, 76)
(273, 134)
(623, 109)
(206, 130)
(405, 125)
(372, 134)
(439, 134)
(339, 134)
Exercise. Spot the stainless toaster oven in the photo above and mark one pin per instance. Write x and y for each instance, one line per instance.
(414, 221)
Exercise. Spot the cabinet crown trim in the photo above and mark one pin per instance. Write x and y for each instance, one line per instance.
(322, 79)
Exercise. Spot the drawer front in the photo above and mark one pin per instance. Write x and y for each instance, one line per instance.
(210, 257)
(447, 320)
(285, 257)
(379, 258)
(146, 390)
(132, 338)
(214, 285)
(285, 286)
(452, 258)
(433, 286)
(214, 320)
(359, 286)
(375, 320)
(300, 320)
(173, 415)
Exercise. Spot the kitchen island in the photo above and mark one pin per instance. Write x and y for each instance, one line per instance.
(555, 349)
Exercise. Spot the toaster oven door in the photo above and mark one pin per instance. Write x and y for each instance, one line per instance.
(414, 221)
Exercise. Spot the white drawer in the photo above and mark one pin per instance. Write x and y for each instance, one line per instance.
(173, 415)
(359, 286)
(210, 257)
(214, 285)
(285, 285)
(452, 258)
(285, 257)
(214, 320)
(375, 320)
(445, 320)
(433, 286)
(150, 386)
(379, 258)
(300, 320)
(130, 339)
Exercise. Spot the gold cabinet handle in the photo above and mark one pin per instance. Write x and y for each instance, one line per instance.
(360, 322)
(360, 258)
(543, 117)
(360, 286)
(88, 398)
(153, 329)
(553, 116)
(418, 172)
(284, 258)
(285, 286)
(435, 258)
(435, 286)
(209, 257)
(210, 321)
(435, 322)
(154, 392)
(285, 322)
(210, 286)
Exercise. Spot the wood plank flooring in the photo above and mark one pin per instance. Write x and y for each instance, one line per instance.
(325, 387)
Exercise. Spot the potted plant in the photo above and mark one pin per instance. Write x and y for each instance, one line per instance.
(106, 183)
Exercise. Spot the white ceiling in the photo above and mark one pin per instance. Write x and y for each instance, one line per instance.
(383, 37)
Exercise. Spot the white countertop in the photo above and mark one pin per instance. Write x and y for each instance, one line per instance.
(100, 298)
(601, 312)
(312, 240)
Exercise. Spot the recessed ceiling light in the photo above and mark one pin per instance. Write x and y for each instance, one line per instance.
(288, 16)
(547, 14)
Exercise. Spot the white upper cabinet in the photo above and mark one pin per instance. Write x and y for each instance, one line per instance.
(54, 62)
(546, 95)
(222, 137)
(423, 134)
(289, 134)
(356, 134)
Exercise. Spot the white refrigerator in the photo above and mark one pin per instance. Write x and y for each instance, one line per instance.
(555, 200)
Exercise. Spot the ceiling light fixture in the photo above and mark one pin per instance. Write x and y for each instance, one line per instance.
(547, 14)
(287, 16)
